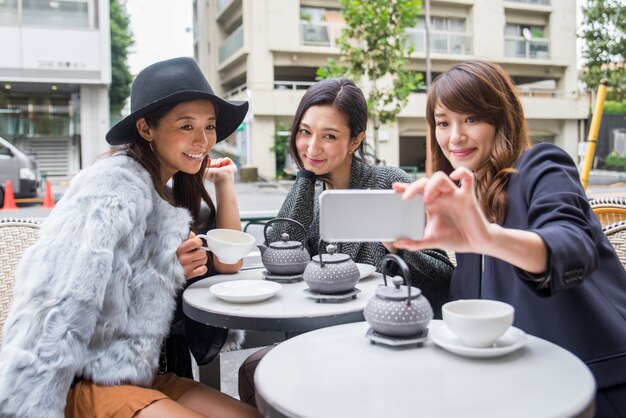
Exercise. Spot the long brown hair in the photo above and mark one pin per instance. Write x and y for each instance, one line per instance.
(486, 91)
(188, 190)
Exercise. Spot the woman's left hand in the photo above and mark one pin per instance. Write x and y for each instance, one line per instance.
(192, 257)
(219, 169)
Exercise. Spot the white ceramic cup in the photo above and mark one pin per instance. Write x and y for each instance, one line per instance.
(478, 322)
(228, 245)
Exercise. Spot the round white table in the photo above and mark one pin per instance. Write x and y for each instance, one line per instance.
(290, 310)
(336, 372)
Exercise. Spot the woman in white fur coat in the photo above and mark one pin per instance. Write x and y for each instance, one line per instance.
(94, 296)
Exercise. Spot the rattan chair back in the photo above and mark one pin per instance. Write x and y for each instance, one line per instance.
(616, 233)
(16, 235)
(609, 210)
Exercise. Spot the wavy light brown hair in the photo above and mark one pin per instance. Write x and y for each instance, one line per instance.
(188, 190)
(485, 91)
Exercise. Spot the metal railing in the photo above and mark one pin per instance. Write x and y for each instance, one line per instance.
(292, 85)
(441, 42)
(518, 47)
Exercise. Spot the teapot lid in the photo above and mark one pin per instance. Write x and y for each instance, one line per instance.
(332, 257)
(284, 243)
(398, 291)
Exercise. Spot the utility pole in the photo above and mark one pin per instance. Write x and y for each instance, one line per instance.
(429, 162)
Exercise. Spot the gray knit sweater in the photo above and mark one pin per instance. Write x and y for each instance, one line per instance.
(431, 270)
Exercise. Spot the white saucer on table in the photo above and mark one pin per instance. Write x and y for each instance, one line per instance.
(365, 270)
(512, 340)
(245, 291)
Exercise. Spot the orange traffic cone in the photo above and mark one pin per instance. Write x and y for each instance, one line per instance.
(48, 201)
(9, 197)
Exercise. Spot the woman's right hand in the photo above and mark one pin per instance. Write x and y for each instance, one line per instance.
(192, 257)
(454, 218)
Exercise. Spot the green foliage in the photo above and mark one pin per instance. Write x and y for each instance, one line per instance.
(375, 51)
(615, 162)
(280, 148)
(604, 46)
(614, 108)
(121, 40)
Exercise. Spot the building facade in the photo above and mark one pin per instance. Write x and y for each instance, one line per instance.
(268, 51)
(55, 69)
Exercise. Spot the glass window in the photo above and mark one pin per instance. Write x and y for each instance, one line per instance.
(8, 12)
(73, 13)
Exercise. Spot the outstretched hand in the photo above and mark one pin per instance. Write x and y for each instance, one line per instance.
(454, 220)
(220, 168)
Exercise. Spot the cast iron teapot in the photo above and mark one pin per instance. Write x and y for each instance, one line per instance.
(398, 310)
(284, 257)
(331, 273)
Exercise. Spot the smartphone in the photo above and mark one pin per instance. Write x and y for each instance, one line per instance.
(370, 216)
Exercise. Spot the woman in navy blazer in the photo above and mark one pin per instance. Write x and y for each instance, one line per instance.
(521, 225)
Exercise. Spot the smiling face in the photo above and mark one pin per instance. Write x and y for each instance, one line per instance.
(464, 139)
(324, 145)
(182, 138)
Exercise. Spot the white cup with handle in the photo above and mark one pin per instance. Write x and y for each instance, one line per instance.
(228, 245)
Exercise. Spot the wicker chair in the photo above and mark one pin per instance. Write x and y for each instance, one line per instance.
(616, 233)
(609, 210)
(15, 236)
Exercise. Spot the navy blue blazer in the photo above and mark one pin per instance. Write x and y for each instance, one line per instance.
(582, 304)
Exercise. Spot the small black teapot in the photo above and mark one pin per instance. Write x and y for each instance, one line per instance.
(398, 310)
(284, 257)
(331, 273)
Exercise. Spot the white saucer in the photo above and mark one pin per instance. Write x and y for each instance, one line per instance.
(245, 291)
(365, 270)
(512, 340)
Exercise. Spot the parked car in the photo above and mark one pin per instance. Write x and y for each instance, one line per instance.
(19, 167)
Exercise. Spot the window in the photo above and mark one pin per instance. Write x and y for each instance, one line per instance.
(8, 12)
(448, 35)
(526, 41)
(73, 13)
(320, 26)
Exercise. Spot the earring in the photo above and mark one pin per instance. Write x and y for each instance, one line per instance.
(352, 152)
(150, 145)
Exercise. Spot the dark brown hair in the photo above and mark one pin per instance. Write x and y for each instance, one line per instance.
(188, 190)
(486, 91)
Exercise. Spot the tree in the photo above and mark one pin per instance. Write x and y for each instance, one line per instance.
(374, 52)
(121, 40)
(604, 46)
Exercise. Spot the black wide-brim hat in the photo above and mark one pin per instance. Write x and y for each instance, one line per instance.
(172, 81)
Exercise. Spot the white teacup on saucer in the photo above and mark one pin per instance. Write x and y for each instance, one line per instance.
(478, 322)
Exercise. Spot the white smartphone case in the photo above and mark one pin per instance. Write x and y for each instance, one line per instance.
(370, 216)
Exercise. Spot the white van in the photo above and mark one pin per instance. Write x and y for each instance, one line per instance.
(20, 168)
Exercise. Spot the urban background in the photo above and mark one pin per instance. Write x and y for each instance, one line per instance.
(64, 74)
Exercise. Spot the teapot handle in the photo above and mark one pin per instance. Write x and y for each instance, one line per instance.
(268, 223)
(404, 268)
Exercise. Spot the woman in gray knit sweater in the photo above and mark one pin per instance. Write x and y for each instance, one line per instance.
(327, 144)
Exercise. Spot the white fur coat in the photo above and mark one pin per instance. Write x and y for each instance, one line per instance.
(95, 295)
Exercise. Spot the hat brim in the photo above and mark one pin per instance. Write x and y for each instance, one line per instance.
(229, 116)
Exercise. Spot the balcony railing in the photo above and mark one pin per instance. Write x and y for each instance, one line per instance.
(542, 2)
(441, 42)
(320, 34)
(232, 44)
(518, 47)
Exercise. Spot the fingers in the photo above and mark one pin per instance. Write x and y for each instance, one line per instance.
(410, 245)
(467, 178)
(221, 162)
(410, 190)
(192, 257)
(439, 184)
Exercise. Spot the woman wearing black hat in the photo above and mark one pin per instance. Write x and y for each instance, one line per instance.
(94, 297)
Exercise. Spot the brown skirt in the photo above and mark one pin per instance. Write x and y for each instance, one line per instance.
(87, 399)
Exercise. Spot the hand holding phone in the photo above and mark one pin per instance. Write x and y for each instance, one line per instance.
(370, 216)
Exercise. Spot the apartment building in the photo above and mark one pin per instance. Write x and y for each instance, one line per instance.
(55, 68)
(268, 51)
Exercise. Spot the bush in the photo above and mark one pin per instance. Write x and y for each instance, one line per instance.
(615, 162)
(614, 108)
